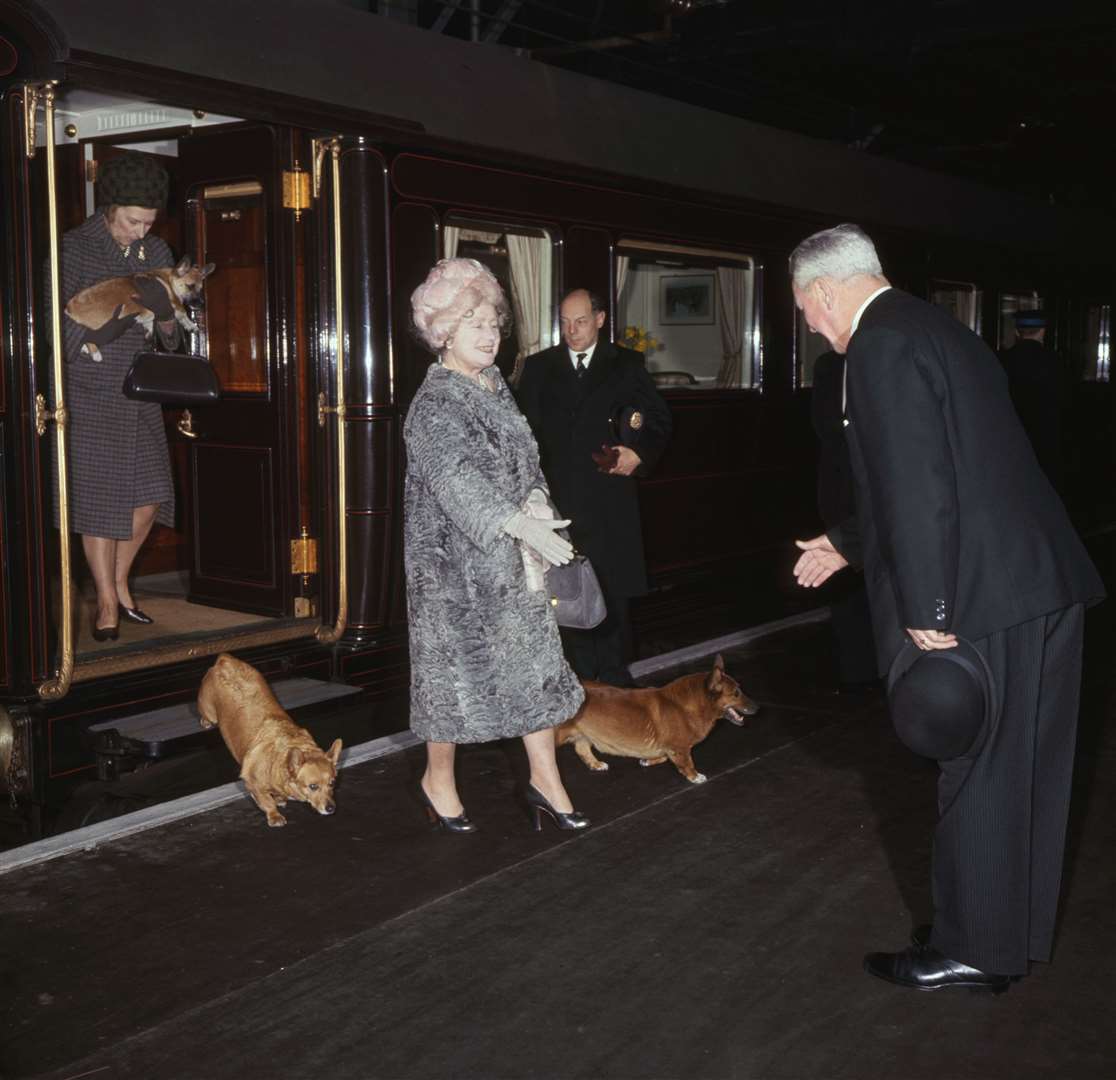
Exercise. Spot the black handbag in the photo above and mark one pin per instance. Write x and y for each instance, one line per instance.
(171, 378)
(575, 594)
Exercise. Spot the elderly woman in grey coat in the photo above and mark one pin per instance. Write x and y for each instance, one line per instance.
(486, 659)
(119, 463)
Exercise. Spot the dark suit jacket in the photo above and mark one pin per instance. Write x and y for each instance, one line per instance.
(1035, 382)
(957, 526)
(570, 418)
(836, 486)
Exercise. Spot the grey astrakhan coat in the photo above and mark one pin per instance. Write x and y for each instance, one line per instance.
(118, 456)
(486, 659)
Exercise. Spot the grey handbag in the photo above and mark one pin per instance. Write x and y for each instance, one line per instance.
(575, 594)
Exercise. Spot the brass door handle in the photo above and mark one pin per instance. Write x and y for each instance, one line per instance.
(185, 425)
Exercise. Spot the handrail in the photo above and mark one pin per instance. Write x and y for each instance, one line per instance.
(329, 635)
(57, 687)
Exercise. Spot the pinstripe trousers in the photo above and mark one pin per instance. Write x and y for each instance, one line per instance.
(1000, 839)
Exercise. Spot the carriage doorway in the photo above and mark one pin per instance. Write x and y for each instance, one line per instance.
(242, 467)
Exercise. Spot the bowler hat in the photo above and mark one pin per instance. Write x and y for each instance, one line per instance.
(133, 179)
(941, 701)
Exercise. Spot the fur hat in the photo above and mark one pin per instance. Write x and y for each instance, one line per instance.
(133, 180)
(942, 701)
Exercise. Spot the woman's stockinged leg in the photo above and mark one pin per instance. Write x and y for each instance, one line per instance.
(100, 554)
(143, 517)
(545, 778)
(438, 781)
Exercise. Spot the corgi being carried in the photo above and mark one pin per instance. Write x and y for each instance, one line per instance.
(122, 298)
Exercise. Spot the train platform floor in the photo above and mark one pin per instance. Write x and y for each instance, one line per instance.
(709, 932)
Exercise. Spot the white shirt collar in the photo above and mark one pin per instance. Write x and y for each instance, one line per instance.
(587, 353)
(860, 310)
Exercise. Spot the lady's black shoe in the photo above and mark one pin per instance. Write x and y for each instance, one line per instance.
(922, 967)
(538, 804)
(133, 614)
(107, 633)
(460, 824)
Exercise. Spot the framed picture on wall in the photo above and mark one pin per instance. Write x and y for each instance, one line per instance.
(687, 300)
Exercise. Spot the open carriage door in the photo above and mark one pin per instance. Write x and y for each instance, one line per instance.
(244, 463)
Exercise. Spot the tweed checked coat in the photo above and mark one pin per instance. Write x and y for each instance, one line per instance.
(486, 659)
(118, 454)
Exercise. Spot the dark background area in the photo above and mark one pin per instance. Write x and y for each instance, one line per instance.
(1015, 95)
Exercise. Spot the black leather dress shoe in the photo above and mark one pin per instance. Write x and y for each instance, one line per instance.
(923, 968)
(133, 614)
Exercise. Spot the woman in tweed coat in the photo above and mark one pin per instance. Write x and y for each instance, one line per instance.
(120, 476)
(486, 659)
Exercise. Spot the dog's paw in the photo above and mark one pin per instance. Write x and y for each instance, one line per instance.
(276, 820)
(188, 323)
(697, 778)
(91, 350)
(599, 766)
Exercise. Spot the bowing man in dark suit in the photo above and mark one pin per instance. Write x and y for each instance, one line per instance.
(849, 621)
(961, 537)
(599, 423)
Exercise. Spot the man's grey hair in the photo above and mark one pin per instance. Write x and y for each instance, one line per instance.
(839, 253)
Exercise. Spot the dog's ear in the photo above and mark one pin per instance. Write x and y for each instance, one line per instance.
(716, 676)
(183, 266)
(208, 269)
(334, 752)
(295, 760)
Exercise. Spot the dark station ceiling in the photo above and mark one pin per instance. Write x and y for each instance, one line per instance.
(1019, 96)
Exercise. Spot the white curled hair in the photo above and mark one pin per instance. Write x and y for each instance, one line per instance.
(839, 253)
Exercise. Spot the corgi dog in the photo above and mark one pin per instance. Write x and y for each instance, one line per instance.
(278, 759)
(116, 298)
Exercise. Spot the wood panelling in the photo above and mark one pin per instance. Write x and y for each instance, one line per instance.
(234, 519)
(232, 237)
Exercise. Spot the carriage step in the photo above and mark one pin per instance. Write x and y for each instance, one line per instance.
(150, 734)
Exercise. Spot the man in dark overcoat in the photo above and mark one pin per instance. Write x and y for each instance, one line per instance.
(962, 538)
(590, 397)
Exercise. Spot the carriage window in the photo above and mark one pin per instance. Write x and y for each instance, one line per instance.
(522, 258)
(961, 299)
(1010, 303)
(1091, 348)
(691, 312)
(230, 222)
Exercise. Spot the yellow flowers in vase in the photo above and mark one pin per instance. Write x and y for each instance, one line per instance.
(636, 337)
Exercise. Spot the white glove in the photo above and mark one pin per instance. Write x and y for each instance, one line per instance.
(541, 537)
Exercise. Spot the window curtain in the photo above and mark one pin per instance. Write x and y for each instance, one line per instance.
(454, 234)
(734, 286)
(451, 237)
(526, 269)
(622, 264)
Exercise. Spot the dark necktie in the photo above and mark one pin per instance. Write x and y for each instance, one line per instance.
(581, 368)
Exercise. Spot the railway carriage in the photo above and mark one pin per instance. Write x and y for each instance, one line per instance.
(323, 158)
